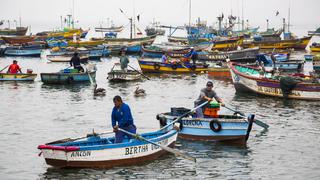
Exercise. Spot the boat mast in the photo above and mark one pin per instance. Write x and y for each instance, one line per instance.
(134, 20)
(242, 17)
(189, 14)
(289, 17)
(72, 14)
(130, 19)
(20, 19)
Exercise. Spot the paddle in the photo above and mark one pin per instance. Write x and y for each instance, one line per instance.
(256, 121)
(3, 68)
(139, 72)
(174, 151)
(90, 78)
(180, 117)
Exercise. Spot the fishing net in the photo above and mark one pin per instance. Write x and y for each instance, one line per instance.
(287, 84)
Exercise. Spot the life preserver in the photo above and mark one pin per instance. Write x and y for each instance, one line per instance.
(193, 67)
(70, 79)
(174, 66)
(162, 120)
(156, 66)
(215, 126)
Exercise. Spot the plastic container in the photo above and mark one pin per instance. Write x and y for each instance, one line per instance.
(29, 71)
(212, 110)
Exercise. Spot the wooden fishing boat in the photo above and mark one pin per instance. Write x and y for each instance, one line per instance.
(18, 39)
(228, 44)
(67, 76)
(249, 79)
(157, 52)
(296, 44)
(97, 151)
(316, 63)
(66, 57)
(85, 43)
(219, 72)
(109, 29)
(284, 66)
(143, 40)
(182, 40)
(29, 50)
(17, 77)
(118, 75)
(19, 31)
(159, 67)
(213, 127)
(315, 47)
(244, 55)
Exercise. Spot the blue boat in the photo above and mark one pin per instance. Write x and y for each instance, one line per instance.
(99, 151)
(134, 48)
(30, 50)
(213, 127)
(67, 76)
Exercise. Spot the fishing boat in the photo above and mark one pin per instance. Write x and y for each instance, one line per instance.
(17, 77)
(228, 44)
(212, 127)
(174, 67)
(85, 43)
(284, 66)
(220, 71)
(18, 39)
(24, 50)
(98, 151)
(109, 29)
(182, 40)
(118, 75)
(299, 43)
(18, 31)
(244, 55)
(249, 79)
(315, 47)
(68, 76)
(142, 40)
(155, 51)
(316, 63)
(66, 57)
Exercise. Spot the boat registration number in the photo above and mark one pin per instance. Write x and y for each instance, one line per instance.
(274, 91)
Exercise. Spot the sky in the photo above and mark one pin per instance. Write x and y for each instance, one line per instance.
(45, 14)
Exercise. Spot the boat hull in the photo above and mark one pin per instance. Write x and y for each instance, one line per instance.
(121, 76)
(157, 67)
(270, 87)
(108, 156)
(66, 78)
(23, 52)
(233, 129)
(17, 77)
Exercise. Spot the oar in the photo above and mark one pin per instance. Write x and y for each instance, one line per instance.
(3, 68)
(174, 151)
(70, 139)
(256, 121)
(180, 117)
(90, 78)
(139, 72)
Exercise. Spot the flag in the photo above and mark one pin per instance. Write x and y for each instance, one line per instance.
(277, 13)
(222, 16)
(121, 10)
(138, 17)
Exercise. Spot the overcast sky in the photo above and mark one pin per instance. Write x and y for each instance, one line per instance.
(45, 14)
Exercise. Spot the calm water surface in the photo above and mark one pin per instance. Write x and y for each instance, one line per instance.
(34, 113)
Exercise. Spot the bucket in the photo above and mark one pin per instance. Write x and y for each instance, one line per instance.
(29, 71)
(212, 109)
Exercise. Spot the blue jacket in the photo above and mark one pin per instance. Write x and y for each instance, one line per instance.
(122, 115)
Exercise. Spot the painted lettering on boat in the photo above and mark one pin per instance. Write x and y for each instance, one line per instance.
(136, 149)
(275, 91)
(162, 142)
(81, 153)
(191, 123)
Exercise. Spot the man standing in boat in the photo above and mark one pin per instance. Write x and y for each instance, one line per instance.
(206, 94)
(121, 117)
(124, 61)
(14, 68)
(192, 55)
(75, 62)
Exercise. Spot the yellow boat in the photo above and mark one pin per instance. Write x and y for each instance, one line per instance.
(315, 47)
(67, 34)
(85, 43)
(299, 43)
(17, 77)
(229, 44)
(159, 67)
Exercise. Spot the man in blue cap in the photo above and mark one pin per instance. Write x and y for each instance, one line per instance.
(206, 94)
(121, 117)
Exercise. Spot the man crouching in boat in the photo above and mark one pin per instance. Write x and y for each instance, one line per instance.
(75, 62)
(206, 94)
(121, 114)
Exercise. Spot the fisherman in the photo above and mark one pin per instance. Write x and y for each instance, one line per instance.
(164, 58)
(121, 118)
(193, 55)
(206, 94)
(75, 62)
(124, 61)
(14, 68)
